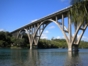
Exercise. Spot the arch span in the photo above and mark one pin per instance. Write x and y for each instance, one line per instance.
(35, 30)
(69, 39)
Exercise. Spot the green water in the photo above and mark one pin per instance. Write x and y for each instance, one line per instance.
(43, 57)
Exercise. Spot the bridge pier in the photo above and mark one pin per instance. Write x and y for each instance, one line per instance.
(75, 47)
(35, 46)
(70, 48)
(30, 46)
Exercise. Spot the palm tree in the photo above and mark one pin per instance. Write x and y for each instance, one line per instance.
(79, 11)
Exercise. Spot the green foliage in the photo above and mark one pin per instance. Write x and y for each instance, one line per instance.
(58, 43)
(83, 44)
(54, 43)
(20, 42)
(2, 43)
(79, 11)
(5, 40)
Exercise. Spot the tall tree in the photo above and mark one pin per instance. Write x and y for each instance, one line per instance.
(79, 11)
(5, 40)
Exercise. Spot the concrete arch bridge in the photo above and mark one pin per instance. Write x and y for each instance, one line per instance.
(35, 29)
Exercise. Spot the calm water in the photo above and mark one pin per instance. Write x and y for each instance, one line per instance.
(43, 57)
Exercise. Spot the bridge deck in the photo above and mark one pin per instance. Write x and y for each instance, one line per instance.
(52, 16)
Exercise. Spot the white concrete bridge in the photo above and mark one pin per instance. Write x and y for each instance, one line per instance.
(35, 29)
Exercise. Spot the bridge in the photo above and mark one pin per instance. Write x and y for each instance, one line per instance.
(35, 29)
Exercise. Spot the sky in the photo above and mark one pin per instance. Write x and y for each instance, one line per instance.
(17, 13)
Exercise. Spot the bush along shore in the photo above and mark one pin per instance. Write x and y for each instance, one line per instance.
(7, 41)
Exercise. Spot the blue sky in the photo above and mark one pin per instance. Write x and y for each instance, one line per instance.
(17, 13)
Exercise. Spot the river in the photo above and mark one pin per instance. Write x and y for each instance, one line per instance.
(43, 57)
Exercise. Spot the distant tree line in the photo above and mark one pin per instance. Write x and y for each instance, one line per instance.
(8, 41)
(53, 43)
(58, 43)
(5, 39)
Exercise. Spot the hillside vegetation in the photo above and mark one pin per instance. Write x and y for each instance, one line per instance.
(7, 41)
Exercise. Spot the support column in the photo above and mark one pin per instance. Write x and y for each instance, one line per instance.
(75, 45)
(62, 21)
(30, 46)
(70, 48)
(75, 25)
(36, 42)
(30, 38)
(36, 46)
(76, 48)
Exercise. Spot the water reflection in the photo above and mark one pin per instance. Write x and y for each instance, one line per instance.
(22, 58)
(73, 59)
(32, 58)
(45, 57)
(37, 58)
(17, 57)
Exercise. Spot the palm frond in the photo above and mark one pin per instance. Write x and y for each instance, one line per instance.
(79, 11)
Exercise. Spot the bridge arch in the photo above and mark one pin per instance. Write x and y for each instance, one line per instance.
(71, 42)
(34, 38)
(47, 22)
(21, 33)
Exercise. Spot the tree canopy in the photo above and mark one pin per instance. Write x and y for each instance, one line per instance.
(8, 41)
(5, 39)
(79, 10)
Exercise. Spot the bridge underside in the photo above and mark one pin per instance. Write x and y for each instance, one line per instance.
(35, 29)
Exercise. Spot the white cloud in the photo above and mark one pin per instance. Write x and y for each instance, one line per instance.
(84, 38)
(65, 28)
(44, 36)
(2, 30)
(34, 20)
(51, 27)
(58, 37)
(46, 31)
